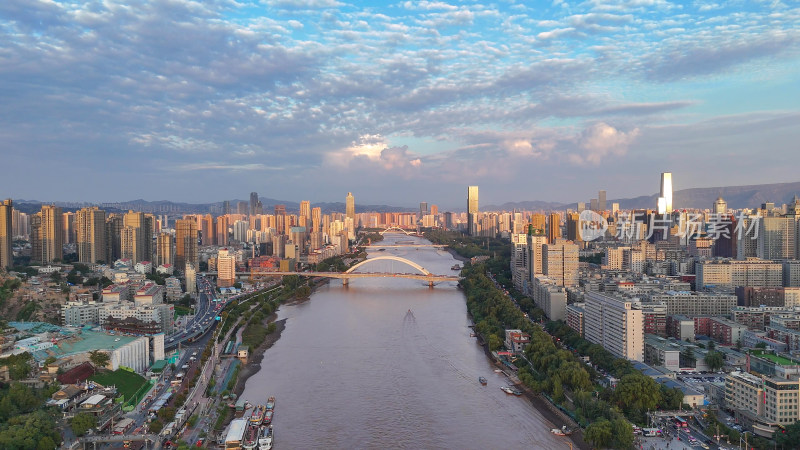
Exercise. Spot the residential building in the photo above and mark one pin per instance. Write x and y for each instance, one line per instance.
(615, 324)
(226, 268)
(472, 210)
(550, 297)
(516, 340)
(186, 244)
(728, 273)
(560, 262)
(693, 303)
(164, 243)
(90, 234)
(6, 234)
(575, 317)
(47, 234)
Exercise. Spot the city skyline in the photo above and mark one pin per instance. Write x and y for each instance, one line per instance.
(394, 102)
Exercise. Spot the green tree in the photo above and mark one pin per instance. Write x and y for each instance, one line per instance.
(714, 360)
(789, 436)
(637, 393)
(46, 443)
(623, 433)
(495, 343)
(761, 345)
(99, 359)
(82, 422)
(599, 434)
(156, 426)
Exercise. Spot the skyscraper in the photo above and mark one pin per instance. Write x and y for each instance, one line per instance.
(163, 249)
(186, 244)
(316, 219)
(6, 254)
(350, 207)
(423, 209)
(113, 238)
(720, 206)
(90, 229)
(601, 200)
(539, 222)
(253, 202)
(553, 227)
(665, 197)
(472, 210)
(305, 209)
(48, 242)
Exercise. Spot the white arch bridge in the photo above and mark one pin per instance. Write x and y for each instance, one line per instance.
(421, 273)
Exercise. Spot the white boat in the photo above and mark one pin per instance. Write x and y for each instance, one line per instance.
(265, 440)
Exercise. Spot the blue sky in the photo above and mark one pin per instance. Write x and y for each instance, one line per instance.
(398, 103)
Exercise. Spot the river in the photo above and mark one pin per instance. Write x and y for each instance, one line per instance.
(389, 363)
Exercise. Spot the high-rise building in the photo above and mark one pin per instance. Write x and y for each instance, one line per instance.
(539, 222)
(186, 244)
(720, 206)
(226, 268)
(601, 200)
(573, 224)
(553, 227)
(221, 231)
(226, 207)
(665, 196)
(615, 324)
(69, 228)
(350, 207)
(560, 262)
(423, 209)
(163, 249)
(134, 245)
(6, 241)
(305, 210)
(434, 210)
(48, 242)
(316, 219)
(253, 202)
(472, 210)
(207, 232)
(113, 238)
(90, 227)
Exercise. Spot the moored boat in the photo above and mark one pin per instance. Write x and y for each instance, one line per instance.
(563, 431)
(251, 437)
(268, 417)
(482, 380)
(511, 390)
(270, 403)
(258, 415)
(266, 438)
(455, 267)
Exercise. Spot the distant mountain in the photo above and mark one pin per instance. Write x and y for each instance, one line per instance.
(736, 196)
(527, 206)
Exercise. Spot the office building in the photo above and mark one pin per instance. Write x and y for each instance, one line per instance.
(601, 201)
(350, 207)
(186, 244)
(316, 219)
(615, 324)
(720, 206)
(90, 227)
(6, 231)
(305, 210)
(472, 210)
(694, 303)
(665, 196)
(253, 203)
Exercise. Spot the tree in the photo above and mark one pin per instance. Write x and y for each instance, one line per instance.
(761, 345)
(156, 426)
(712, 345)
(714, 360)
(637, 393)
(495, 343)
(623, 433)
(599, 433)
(789, 436)
(82, 422)
(99, 359)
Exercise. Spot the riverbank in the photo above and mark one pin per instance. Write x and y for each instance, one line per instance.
(257, 355)
(554, 417)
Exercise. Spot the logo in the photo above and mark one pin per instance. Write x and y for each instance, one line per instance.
(591, 225)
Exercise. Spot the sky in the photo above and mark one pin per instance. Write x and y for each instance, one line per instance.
(399, 103)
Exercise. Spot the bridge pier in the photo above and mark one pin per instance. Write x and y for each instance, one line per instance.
(430, 284)
(345, 281)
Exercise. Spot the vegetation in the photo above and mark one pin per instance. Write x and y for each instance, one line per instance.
(789, 436)
(99, 359)
(24, 424)
(82, 422)
(715, 360)
(127, 383)
(7, 289)
(27, 311)
(19, 366)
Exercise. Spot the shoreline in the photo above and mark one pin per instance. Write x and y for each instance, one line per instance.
(549, 412)
(253, 365)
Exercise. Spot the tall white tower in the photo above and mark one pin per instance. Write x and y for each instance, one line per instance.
(665, 198)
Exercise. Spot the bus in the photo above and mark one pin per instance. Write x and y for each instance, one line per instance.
(680, 423)
(650, 432)
(123, 426)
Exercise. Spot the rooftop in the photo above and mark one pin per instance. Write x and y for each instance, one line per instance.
(777, 359)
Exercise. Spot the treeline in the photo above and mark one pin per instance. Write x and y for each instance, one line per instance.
(550, 369)
(25, 424)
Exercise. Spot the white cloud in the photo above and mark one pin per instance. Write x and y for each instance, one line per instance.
(601, 141)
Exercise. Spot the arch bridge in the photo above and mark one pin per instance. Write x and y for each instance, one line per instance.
(398, 229)
(423, 274)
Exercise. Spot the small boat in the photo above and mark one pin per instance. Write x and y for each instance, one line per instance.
(498, 370)
(258, 415)
(563, 431)
(265, 440)
(268, 417)
(455, 267)
(482, 380)
(270, 403)
(381, 249)
(511, 391)
(472, 335)
(251, 437)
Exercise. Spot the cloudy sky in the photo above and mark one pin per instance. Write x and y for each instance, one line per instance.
(412, 101)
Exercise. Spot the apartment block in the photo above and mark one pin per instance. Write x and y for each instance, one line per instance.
(615, 324)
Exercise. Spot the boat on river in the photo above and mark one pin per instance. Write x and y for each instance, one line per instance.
(266, 438)
(482, 380)
(251, 437)
(511, 390)
(258, 415)
(563, 431)
(268, 417)
(270, 403)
